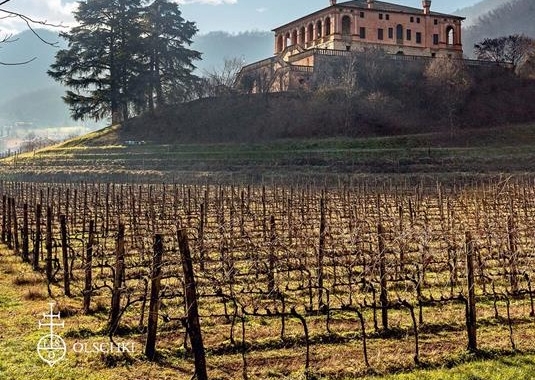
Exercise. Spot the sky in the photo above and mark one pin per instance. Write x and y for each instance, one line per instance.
(231, 16)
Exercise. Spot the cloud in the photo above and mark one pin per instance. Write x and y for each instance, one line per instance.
(261, 10)
(57, 12)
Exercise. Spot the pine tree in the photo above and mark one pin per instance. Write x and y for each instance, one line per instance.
(169, 63)
(121, 55)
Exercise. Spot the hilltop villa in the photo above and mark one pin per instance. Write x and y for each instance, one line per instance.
(353, 26)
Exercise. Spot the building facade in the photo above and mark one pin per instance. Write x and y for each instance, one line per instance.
(353, 26)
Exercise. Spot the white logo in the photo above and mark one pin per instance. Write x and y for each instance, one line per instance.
(51, 348)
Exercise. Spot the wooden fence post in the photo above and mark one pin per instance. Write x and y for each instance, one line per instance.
(152, 327)
(190, 294)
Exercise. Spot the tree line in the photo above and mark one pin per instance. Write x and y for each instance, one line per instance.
(125, 58)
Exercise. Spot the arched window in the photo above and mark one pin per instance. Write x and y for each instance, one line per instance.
(310, 32)
(346, 26)
(327, 26)
(288, 39)
(302, 34)
(294, 37)
(279, 43)
(399, 34)
(450, 35)
(318, 29)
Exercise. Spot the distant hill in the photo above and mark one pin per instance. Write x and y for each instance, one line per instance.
(27, 93)
(514, 17)
(31, 77)
(474, 12)
(218, 46)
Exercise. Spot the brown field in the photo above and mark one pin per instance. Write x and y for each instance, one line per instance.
(273, 262)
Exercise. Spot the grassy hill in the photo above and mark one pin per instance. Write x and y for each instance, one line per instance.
(105, 156)
(401, 131)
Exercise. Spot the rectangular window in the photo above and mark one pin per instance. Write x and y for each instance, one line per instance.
(409, 34)
(380, 16)
(388, 17)
(412, 19)
(417, 20)
(380, 35)
(436, 22)
(362, 32)
(418, 37)
(391, 33)
(435, 39)
(361, 14)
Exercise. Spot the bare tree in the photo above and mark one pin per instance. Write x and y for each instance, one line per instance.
(526, 69)
(448, 85)
(222, 81)
(30, 23)
(513, 49)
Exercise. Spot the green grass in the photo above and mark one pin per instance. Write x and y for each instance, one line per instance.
(102, 155)
(518, 367)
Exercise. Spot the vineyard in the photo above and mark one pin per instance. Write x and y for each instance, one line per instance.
(245, 282)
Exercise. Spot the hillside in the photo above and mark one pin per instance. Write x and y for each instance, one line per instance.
(29, 84)
(474, 12)
(218, 46)
(515, 17)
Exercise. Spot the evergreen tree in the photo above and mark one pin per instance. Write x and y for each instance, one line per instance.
(121, 54)
(169, 63)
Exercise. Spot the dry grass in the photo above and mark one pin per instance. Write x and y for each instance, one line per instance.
(27, 279)
(35, 293)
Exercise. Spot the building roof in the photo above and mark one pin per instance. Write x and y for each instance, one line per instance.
(390, 7)
(380, 6)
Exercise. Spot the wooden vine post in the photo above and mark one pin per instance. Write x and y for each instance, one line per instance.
(4, 217)
(152, 327)
(88, 269)
(383, 297)
(37, 242)
(9, 220)
(16, 246)
(321, 251)
(25, 235)
(272, 257)
(192, 319)
(471, 319)
(117, 281)
(48, 245)
(65, 256)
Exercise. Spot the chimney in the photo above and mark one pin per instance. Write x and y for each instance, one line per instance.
(370, 3)
(427, 6)
(333, 2)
